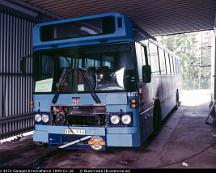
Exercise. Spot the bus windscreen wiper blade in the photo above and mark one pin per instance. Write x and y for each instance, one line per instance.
(93, 94)
(62, 79)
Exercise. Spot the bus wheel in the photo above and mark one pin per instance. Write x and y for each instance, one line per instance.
(157, 117)
(177, 100)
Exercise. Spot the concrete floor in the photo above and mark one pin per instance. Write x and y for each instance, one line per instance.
(185, 141)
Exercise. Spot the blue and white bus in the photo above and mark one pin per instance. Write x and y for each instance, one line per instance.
(100, 81)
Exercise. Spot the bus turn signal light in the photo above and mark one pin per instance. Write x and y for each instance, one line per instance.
(133, 103)
(133, 106)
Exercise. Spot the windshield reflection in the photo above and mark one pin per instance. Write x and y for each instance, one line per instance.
(83, 69)
(108, 80)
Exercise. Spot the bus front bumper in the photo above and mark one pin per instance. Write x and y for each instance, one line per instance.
(58, 136)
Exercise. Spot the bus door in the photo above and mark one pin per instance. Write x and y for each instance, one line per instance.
(145, 94)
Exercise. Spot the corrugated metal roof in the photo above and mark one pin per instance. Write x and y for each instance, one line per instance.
(158, 17)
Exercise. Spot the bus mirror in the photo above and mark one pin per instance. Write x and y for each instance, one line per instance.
(23, 65)
(146, 73)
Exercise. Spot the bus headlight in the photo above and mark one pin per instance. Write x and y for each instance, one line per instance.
(45, 118)
(126, 119)
(38, 118)
(115, 119)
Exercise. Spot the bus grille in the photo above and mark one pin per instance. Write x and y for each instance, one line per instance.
(78, 115)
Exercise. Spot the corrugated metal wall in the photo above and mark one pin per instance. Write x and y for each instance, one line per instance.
(15, 88)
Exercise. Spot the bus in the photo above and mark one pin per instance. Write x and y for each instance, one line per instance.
(100, 81)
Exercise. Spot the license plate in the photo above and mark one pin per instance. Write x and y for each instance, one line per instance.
(75, 131)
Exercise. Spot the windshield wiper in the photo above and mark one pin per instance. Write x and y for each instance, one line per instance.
(62, 79)
(93, 94)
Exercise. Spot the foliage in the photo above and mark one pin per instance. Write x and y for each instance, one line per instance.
(194, 50)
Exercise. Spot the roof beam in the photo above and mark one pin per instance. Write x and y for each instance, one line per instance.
(18, 8)
(30, 8)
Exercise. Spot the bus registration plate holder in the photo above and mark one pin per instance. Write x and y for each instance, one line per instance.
(74, 131)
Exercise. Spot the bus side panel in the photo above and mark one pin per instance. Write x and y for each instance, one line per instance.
(170, 84)
(168, 96)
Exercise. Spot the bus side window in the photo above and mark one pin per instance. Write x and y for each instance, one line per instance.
(145, 55)
(162, 61)
(154, 58)
(167, 63)
(171, 64)
(139, 56)
(177, 65)
(148, 53)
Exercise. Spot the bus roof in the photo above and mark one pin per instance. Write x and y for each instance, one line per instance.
(117, 14)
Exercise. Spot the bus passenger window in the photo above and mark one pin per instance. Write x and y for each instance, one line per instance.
(92, 62)
(154, 58)
(108, 61)
(145, 55)
(162, 61)
(177, 66)
(64, 62)
(139, 54)
(171, 64)
(167, 63)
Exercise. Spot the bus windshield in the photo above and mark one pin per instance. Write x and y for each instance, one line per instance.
(83, 69)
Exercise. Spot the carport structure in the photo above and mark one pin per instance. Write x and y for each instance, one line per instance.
(17, 18)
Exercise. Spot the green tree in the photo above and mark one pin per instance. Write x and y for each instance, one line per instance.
(194, 55)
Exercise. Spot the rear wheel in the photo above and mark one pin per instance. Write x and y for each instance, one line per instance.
(157, 116)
